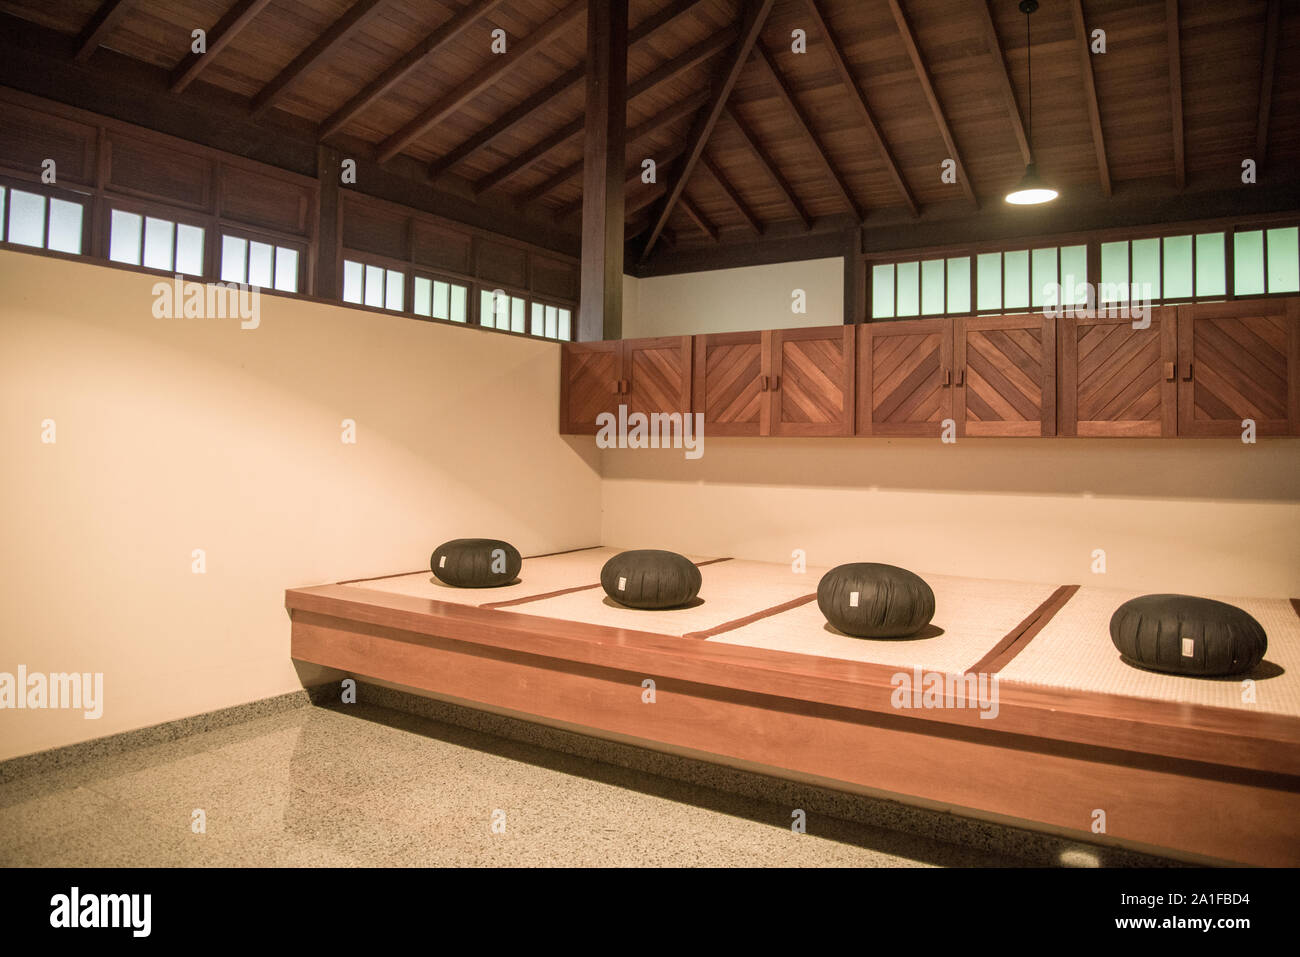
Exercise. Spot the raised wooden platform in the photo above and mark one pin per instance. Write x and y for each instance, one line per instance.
(1199, 782)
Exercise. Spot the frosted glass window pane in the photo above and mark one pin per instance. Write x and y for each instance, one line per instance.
(517, 308)
(1042, 263)
(65, 226)
(909, 289)
(3, 191)
(1248, 263)
(1178, 267)
(26, 218)
(1114, 273)
(1074, 274)
(882, 292)
(395, 290)
(1146, 269)
(959, 284)
(988, 279)
(459, 303)
(1211, 268)
(159, 243)
(1016, 265)
(352, 281)
(552, 322)
(374, 286)
(538, 326)
(932, 287)
(565, 318)
(233, 265)
(1283, 259)
(123, 237)
(487, 309)
(423, 296)
(441, 300)
(286, 269)
(259, 265)
(189, 250)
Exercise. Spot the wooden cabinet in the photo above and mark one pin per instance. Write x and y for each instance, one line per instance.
(1004, 375)
(904, 377)
(646, 375)
(1116, 380)
(732, 378)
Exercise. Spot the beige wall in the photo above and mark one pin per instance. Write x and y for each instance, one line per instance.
(734, 300)
(177, 434)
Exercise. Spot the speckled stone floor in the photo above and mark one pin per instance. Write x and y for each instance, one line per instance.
(366, 786)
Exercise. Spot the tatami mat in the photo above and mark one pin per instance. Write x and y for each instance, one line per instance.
(1074, 651)
(971, 616)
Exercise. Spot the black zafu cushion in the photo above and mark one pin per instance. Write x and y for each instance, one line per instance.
(650, 578)
(1185, 635)
(869, 600)
(476, 562)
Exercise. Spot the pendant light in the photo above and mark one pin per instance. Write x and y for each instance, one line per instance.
(1031, 190)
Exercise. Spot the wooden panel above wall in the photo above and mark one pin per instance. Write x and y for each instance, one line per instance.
(137, 169)
(31, 137)
(498, 262)
(442, 248)
(261, 200)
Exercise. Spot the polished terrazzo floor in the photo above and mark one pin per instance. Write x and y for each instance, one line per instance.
(369, 787)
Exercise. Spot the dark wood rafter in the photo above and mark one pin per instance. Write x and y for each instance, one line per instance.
(1090, 93)
(858, 100)
(475, 84)
(101, 23)
(698, 218)
(218, 38)
(773, 170)
(734, 197)
(800, 118)
(940, 117)
(1176, 90)
(755, 17)
(568, 82)
(438, 40)
(1003, 75)
(1267, 66)
(664, 165)
(317, 52)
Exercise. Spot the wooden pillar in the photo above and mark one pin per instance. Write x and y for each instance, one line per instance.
(325, 279)
(855, 280)
(600, 313)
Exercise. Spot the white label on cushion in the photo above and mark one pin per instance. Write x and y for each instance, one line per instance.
(442, 562)
(622, 584)
(1188, 646)
(853, 599)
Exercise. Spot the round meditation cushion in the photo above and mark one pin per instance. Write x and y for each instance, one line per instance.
(1185, 635)
(869, 600)
(650, 578)
(476, 562)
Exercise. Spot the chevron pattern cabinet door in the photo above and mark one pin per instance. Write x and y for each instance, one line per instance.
(729, 370)
(1239, 361)
(658, 374)
(904, 377)
(1005, 375)
(812, 381)
(589, 381)
(1116, 380)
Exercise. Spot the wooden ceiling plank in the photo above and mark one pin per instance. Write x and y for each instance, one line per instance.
(475, 84)
(1176, 90)
(100, 24)
(940, 118)
(769, 164)
(412, 58)
(858, 100)
(633, 180)
(802, 120)
(1003, 75)
(218, 38)
(755, 16)
(1090, 94)
(328, 42)
(1267, 67)
(697, 217)
(736, 199)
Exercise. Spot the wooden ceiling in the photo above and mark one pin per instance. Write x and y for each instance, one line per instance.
(854, 129)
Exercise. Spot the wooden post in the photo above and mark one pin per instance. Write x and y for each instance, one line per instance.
(854, 278)
(600, 313)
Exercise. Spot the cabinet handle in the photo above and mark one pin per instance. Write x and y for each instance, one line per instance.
(776, 383)
(947, 378)
(1170, 371)
(961, 376)
(763, 383)
(1187, 373)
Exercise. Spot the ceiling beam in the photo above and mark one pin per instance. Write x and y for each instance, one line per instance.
(801, 119)
(99, 26)
(736, 199)
(342, 28)
(769, 164)
(1003, 75)
(480, 80)
(1090, 94)
(227, 28)
(1176, 90)
(633, 180)
(858, 100)
(923, 74)
(1266, 81)
(412, 58)
(756, 12)
(661, 74)
(543, 98)
(697, 217)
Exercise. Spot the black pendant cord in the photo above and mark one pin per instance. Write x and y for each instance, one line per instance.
(1029, 63)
